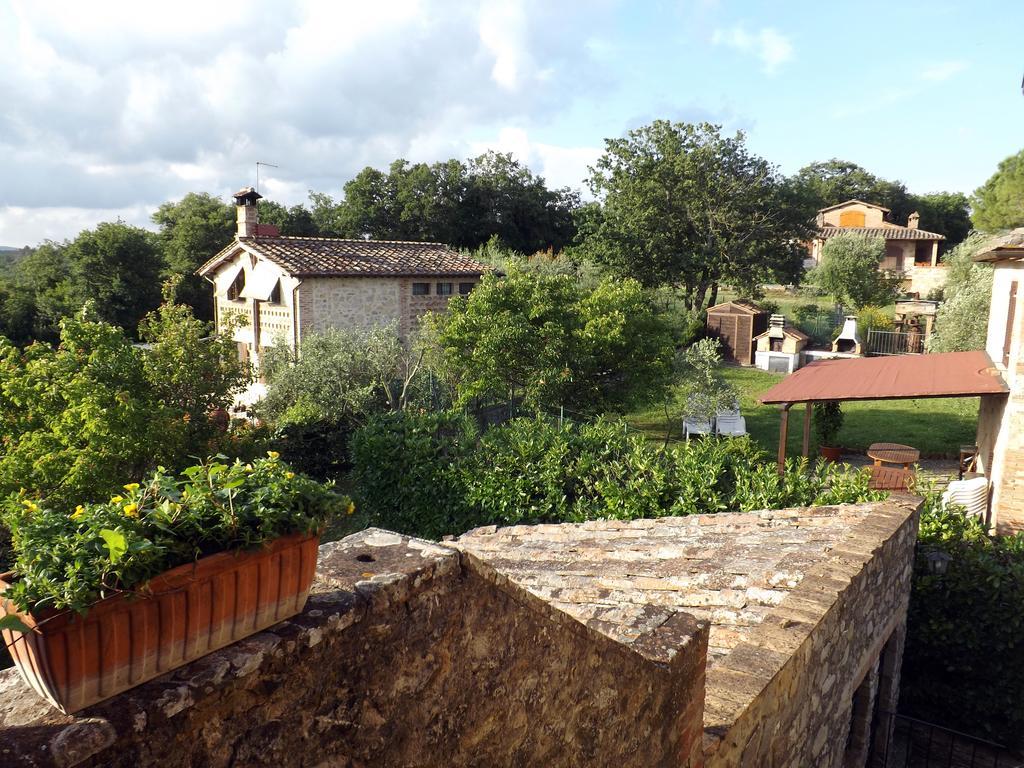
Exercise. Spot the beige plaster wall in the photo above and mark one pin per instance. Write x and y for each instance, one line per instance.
(872, 216)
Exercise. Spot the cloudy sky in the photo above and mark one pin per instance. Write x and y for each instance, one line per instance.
(110, 108)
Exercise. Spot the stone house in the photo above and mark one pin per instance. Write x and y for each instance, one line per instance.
(285, 287)
(909, 250)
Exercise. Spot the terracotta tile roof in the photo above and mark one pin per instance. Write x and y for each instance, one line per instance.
(333, 257)
(1004, 247)
(942, 374)
(889, 232)
(788, 330)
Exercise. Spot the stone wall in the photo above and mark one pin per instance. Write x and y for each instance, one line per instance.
(406, 655)
(785, 696)
(764, 639)
(348, 302)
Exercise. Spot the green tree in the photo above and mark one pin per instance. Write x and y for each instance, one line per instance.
(296, 221)
(999, 202)
(543, 340)
(961, 323)
(191, 231)
(190, 369)
(849, 271)
(339, 377)
(456, 203)
(947, 213)
(705, 391)
(685, 206)
(40, 293)
(118, 268)
(78, 419)
(835, 181)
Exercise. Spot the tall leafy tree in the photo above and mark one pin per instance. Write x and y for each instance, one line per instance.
(296, 221)
(849, 271)
(948, 213)
(822, 184)
(999, 202)
(118, 267)
(191, 231)
(686, 206)
(834, 181)
(544, 340)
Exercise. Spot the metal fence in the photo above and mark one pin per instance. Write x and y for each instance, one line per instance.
(911, 743)
(894, 343)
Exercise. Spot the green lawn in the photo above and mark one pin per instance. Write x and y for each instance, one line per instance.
(937, 427)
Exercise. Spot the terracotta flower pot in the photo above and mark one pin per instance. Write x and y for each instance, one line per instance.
(831, 454)
(74, 661)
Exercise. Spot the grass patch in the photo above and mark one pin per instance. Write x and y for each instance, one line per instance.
(937, 427)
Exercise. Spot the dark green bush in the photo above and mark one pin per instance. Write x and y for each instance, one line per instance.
(964, 661)
(407, 471)
(320, 449)
(428, 476)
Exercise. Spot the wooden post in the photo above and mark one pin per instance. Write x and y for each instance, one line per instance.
(783, 434)
(807, 430)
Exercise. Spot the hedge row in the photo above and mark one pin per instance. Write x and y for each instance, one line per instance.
(434, 474)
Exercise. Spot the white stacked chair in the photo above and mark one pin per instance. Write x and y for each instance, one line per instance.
(730, 423)
(695, 425)
(971, 494)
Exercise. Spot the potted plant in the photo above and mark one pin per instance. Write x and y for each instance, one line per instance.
(114, 594)
(828, 419)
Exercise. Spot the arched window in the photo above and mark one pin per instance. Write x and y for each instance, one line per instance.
(235, 289)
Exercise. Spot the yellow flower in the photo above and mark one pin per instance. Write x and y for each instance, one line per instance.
(132, 510)
(116, 499)
(30, 505)
(273, 455)
(350, 508)
(131, 487)
(289, 475)
(79, 511)
(248, 468)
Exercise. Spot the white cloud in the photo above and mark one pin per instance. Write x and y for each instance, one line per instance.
(768, 44)
(122, 110)
(943, 70)
(559, 165)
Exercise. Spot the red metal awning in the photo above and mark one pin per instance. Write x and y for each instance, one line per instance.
(946, 374)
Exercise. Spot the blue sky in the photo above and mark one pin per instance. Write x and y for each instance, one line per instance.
(107, 114)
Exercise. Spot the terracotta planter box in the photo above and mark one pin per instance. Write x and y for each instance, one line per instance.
(830, 453)
(74, 661)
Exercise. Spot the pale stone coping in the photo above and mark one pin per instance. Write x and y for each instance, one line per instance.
(626, 578)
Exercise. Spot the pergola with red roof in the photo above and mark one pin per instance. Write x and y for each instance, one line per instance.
(947, 374)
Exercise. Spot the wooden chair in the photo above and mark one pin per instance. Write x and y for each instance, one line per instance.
(891, 478)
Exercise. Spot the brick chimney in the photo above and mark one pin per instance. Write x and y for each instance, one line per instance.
(246, 200)
(913, 219)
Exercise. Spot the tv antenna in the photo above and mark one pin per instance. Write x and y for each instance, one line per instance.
(265, 165)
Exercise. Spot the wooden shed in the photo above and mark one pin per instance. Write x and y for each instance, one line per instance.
(736, 323)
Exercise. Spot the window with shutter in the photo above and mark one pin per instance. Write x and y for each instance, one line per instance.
(1011, 310)
(851, 219)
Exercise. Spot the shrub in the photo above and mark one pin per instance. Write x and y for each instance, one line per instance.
(407, 471)
(964, 661)
(424, 475)
(828, 420)
(69, 561)
(869, 318)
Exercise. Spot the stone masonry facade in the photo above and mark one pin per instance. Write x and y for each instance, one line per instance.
(763, 639)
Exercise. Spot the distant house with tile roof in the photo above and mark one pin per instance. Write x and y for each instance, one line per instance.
(909, 251)
(286, 287)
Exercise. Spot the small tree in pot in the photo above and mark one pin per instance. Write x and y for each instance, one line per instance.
(828, 420)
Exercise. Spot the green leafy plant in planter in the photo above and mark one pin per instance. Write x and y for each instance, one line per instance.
(217, 538)
(828, 420)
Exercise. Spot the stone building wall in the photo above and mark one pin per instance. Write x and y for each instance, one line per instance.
(354, 303)
(406, 655)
